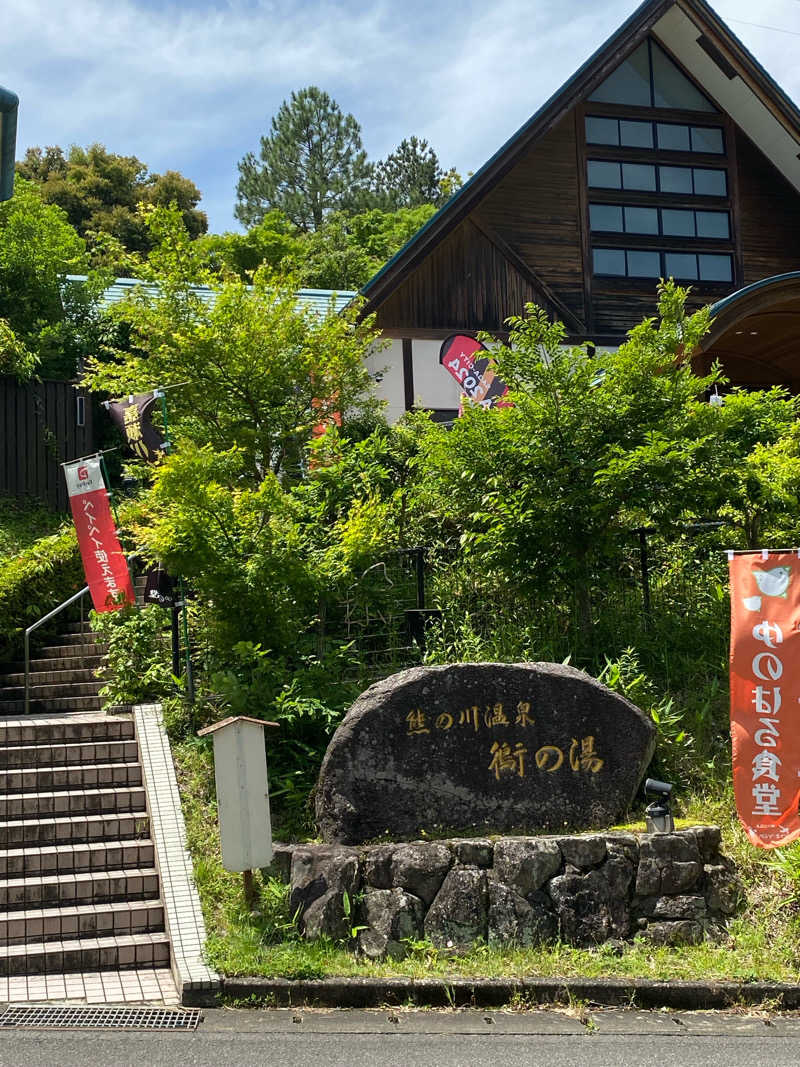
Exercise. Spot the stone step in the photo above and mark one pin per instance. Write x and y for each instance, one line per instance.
(76, 858)
(76, 627)
(52, 691)
(67, 662)
(86, 954)
(72, 641)
(119, 919)
(63, 890)
(63, 755)
(50, 675)
(66, 730)
(50, 707)
(71, 802)
(56, 779)
(77, 829)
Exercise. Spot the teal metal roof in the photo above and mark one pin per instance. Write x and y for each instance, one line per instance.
(317, 301)
(9, 104)
(741, 294)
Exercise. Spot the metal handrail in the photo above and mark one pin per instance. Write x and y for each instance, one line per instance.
(75, 596)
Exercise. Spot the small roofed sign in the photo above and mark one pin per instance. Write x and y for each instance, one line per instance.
(460, 355)
(240, 772)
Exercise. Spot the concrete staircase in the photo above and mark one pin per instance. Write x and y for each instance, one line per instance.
(79, 887)
(62, 675)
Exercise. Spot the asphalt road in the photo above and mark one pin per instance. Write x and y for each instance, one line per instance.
(308, 1038)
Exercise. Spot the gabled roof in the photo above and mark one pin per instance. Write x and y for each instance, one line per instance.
(317, 301)
(710, 52)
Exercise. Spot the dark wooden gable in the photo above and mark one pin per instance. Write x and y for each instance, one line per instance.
(521, 229)
(520, 244)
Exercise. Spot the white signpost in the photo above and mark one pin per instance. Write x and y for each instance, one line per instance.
(240, 770)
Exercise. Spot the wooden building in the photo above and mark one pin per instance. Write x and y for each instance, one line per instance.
(670, 153)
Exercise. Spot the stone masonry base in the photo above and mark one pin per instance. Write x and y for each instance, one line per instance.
(582, 889)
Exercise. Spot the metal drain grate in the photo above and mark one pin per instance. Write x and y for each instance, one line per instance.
(80, 1018)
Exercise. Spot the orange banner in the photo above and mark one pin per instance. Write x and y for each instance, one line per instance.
(765, 690)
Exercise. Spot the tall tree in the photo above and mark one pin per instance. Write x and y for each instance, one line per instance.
(100, 192)
(410, 176)
(311, 163)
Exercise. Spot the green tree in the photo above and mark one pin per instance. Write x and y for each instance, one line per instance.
(100, 192)
(272, 242)
(311, 163)
(412, 175)
(256, 373)
(46, 323)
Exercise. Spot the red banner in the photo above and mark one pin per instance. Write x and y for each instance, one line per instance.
(475, 374)
(765, 690)
(104, 563)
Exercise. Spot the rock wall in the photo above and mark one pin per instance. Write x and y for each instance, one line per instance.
(583, 889)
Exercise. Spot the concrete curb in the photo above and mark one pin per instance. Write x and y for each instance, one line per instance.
(495, 992)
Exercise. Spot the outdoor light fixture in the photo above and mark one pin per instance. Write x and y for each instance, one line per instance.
(715, 400)
(657, 815)
(9, 103)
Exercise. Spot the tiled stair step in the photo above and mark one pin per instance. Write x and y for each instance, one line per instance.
(95, 887)
(53, 674)
(126, 826)
(76, 858)
(68, 662)
(118, 919)
(71, 802)
(86, 954)
(52, 692)
(75, 628)
(68, 644)
(50, 707)
(60, 755)
(68, 731)
(55, 779)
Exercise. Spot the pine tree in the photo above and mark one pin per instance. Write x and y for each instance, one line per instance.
(409, 176)
(311, 163)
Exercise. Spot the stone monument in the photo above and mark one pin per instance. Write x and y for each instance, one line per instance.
(487, 747)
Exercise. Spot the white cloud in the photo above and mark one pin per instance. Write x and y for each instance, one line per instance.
(191, 86)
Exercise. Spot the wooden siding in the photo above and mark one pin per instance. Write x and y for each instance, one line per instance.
(38, 432)
(464, 284)
(536, 210)
(769, 215)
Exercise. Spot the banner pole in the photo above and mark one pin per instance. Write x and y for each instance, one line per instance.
(185, 611)
(109, 490)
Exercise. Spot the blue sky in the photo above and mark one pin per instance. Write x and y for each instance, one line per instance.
(190, 85)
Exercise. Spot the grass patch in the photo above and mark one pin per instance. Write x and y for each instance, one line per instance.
(763, 943)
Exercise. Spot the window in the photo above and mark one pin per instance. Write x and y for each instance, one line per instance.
(669, 136)
(604, 175)
(630, 82)
(609, 261)
(669, 222)
(641, 220)
(693, 181)
(602, 131)
(617, 132)
(626, 262)
(649, 263)
(709, 182)
(639, 176)
(715, 224)
(673, 138)
(606, 217)
(649, 78)
(707, 139)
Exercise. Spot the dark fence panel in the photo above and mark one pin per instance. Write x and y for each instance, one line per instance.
(39, 430)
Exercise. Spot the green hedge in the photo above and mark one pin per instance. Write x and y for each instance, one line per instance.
(33, 582)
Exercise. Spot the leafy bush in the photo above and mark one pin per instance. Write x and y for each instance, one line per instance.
(139, 658)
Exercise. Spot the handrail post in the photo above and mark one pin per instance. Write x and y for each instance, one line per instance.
(27, 671)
